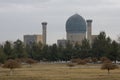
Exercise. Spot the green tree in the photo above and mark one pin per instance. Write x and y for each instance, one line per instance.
(85, 49)
(2, 55)
(45, 52)
(77, 51)
(36, 51)
(68, 52)
(19, 50)
(28, 50)
(60, 53)
(114, 53)
(8, 49)
(53, 52)
(101, 46)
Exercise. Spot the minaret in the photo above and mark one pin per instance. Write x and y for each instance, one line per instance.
(44, 27)
(89, 30)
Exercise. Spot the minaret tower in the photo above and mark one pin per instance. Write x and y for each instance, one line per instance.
(89, 30)
(44, 27)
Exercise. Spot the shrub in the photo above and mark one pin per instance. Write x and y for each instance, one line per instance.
(70, 65)
(94, 60)
(81, 62)
(87, 60)
(18, 60)
(75, 60)
(104, 59)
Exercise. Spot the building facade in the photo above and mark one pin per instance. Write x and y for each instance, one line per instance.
(78, 29)
(75, 29)
(62, 42)
(30, 39)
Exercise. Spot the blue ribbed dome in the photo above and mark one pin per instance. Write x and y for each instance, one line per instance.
(76, 24)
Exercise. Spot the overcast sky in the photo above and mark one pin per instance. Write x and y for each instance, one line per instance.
(21, 17)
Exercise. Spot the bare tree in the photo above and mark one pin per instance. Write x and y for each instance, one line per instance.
(108, 65)
(11, 64)
(30, 61)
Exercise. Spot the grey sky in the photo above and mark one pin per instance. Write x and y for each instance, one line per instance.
(20, 17)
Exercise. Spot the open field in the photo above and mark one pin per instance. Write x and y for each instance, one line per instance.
(59, 72)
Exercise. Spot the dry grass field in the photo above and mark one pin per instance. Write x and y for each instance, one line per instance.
(59, 72)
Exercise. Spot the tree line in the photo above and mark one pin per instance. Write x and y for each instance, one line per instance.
(102, 46)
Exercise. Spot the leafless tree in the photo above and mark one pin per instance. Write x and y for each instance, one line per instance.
(30, 61)
(108, 65)
(11, 64)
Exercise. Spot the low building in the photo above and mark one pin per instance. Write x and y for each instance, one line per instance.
(62, 42)
(30, 39)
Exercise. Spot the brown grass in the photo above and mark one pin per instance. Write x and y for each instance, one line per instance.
(60, 72)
